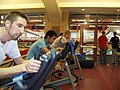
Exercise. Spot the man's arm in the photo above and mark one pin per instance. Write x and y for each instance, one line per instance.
(10, 71)
(19, 60)
(31, 66)
(45, 49)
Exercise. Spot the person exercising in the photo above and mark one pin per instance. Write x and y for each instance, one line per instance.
(42, 45)
(15, 24)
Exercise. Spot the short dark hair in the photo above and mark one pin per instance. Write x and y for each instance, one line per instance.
(103, 32)
(61, 34)
(50, 33)
(115, 33)
(12, 16)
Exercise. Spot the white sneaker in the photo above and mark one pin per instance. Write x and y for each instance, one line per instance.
(75, 83)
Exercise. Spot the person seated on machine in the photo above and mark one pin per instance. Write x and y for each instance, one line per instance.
(59, 43)
(42, 45)
(61, 34)
(15, 23)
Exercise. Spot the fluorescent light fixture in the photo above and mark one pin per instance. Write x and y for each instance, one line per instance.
(2, 17)
(118, 10)
(35, 20)
(81, 20)
(73, 20)
(117, 21)
(83, 9)
(2, 22)
(85, 22)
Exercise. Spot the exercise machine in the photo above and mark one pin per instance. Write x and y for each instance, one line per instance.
(27, 81)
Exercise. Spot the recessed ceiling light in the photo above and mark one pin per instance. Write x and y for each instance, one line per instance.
(83, 9)
(2, 22)
(2, 17)
(118, 10)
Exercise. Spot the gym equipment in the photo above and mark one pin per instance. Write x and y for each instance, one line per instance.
(69, 49)
(69, 79)
(72, 61)
(84, 61)
(75, 59)
(87, 63)
(27, 81)
(9, 63)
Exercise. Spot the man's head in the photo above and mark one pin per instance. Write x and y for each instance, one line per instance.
(67, 34)
(114, 33)
(15, 24)
(103, 32)
(50, 36)
(61, 34)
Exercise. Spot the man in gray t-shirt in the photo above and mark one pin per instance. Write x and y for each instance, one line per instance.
(59, 42)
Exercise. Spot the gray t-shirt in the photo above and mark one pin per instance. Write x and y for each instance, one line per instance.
(9, 49)
(59, 42)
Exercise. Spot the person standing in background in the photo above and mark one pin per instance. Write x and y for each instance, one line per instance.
(102, 42)
(115, 45)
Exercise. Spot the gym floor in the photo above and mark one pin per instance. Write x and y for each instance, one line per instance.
(102, 77)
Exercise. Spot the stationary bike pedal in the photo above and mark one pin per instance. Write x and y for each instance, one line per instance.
(59, 74)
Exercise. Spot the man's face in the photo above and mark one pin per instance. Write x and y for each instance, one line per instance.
(68, 36)
(16, 28)
(51, 40)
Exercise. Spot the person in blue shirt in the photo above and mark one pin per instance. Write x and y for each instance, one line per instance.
(42, 46)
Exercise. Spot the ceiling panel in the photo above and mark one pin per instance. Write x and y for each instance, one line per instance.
(8, 2)
(72, 7)
(91, 10)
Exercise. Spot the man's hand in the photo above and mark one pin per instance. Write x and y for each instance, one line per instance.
(32, 66)
(60, 49)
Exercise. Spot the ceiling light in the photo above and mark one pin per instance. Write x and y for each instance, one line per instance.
(2, 22)
(81, 20)
(85, 22)
(73, 20)
(35, 20)
(2, 17)
(118, 10)
(83, 9)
